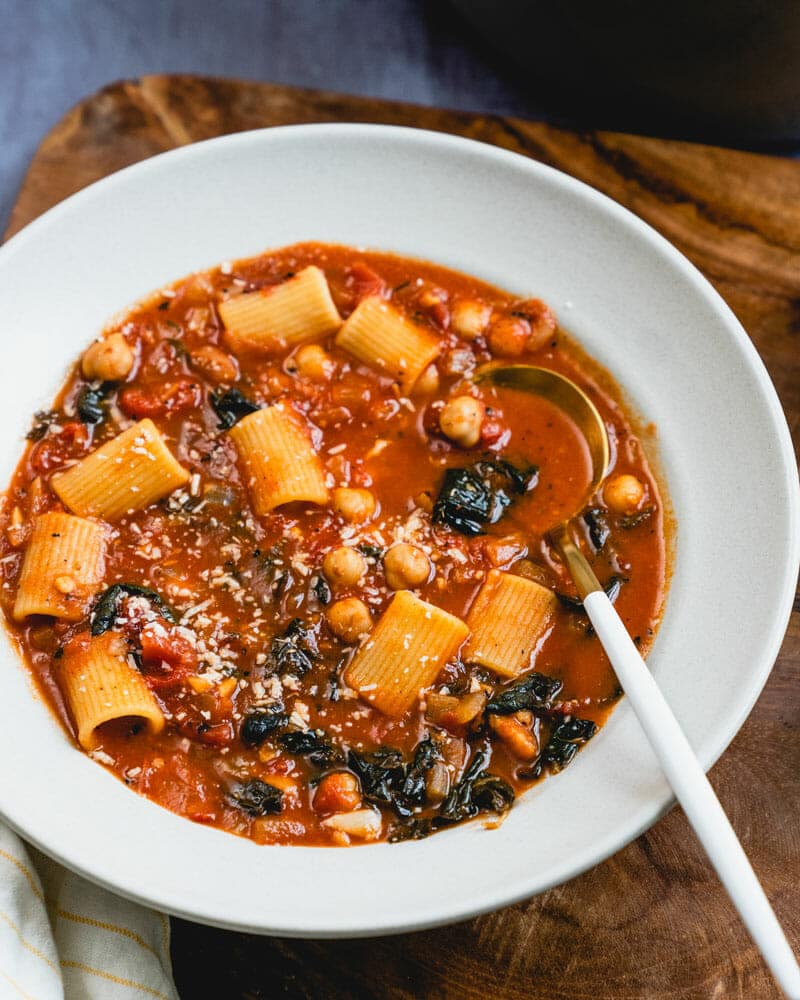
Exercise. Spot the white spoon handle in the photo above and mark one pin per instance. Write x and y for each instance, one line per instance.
(694, 792)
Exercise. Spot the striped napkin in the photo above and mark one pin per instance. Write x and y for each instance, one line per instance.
(62, 938)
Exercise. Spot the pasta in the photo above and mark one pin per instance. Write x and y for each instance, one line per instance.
(100, 685)
(63, 567)
(292, 313)
(384, 339)
(507, 619)
(404, 654)
(125, 474)
(279, 460)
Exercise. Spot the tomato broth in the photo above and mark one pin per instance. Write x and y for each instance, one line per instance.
(236, 633)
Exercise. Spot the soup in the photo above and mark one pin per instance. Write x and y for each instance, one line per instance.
(280, 564)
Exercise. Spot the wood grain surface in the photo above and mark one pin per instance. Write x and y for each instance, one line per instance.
(652, 922)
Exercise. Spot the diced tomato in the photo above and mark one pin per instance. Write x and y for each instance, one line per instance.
(160, 399)
(363, 282)
(167, 656)
(161, 643)
(279, 765)
(321, 541)
(179, 786)
(70, 441)
(571, 707)
(219, 735)
(491, 432)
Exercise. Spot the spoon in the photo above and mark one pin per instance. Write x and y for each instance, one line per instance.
(684, 773)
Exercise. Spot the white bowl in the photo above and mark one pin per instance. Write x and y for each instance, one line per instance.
(635, 303)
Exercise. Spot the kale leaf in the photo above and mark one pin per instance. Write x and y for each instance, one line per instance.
(478, 791)
(230, 406)
(533, 691)
(412, 790)
(629, 521)
(559, 754)
(565, 740)
(574, 730)
(464, 502)
(504, 475)
(257, 798)
(491, 793)
(261, 724)
(312, 744)
(43, 420)
(411, 829)
(388, 780)
(90, 402)
(597, 526)
(322, 590)
(105, 607)
(293, 652)
(470, 498)
(458, 803)
(381, 773)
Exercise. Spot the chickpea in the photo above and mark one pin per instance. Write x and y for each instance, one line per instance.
(461, 420)
(623, 494)
(337, 792)
(508, 336)
(215, 364)
(344, 566)
(353, 504)
(428, 382)
(314, 362)
(542, 322)
(469, 318)
(109, 360)
(406, 566)
(349, 619)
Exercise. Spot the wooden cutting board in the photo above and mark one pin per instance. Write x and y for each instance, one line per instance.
(652, 922)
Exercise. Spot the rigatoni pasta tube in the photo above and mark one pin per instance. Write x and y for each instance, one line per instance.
(404, 654)
(125, 474)
(100, 685)
(278, 460)
(299, 310)
(380, 336)
(63, 567)
(506, 620)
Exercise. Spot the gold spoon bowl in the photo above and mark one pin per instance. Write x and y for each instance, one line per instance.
(573, 401)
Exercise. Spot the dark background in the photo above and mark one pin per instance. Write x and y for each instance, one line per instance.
(54, 52)
(726, 71)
